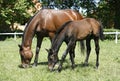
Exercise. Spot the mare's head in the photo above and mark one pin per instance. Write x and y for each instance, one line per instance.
(26, 56)
(52, 59)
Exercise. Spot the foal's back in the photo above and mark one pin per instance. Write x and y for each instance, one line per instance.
(82, 28)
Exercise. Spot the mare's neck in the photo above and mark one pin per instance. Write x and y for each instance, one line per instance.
(28, 34)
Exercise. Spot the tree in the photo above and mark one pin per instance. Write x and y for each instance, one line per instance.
(89, 6)
(12, 11)
(114, 6)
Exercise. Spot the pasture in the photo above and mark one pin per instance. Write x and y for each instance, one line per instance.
(109, 69)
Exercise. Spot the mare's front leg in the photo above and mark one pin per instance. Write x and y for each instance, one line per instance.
(88, 46)
(69, 47)
(97, 48)
(38, 46)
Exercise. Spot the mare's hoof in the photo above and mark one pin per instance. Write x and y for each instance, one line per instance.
(73, 66)
(24, 66)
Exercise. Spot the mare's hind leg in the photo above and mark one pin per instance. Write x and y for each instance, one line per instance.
(38, 46)
(97, 48)
(88, 46)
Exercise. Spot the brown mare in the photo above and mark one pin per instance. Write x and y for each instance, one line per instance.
(87, 28)
(43, 24)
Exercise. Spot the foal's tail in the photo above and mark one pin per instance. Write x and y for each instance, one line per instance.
(101, 32)
(82, 45)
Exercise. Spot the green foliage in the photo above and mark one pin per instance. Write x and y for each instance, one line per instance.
(16, 11)
(111, 36)
(109, 69)
(12, 11)
(89, 5)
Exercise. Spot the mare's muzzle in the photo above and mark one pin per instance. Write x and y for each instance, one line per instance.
(24, 66)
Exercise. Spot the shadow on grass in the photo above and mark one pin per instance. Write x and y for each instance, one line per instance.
(77, 66)
(43, 63)
(31, 65)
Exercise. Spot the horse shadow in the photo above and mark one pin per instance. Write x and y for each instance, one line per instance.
(81, 65)
(31, 65)
(42, 63)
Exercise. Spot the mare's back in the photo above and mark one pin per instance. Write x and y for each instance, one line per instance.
(52, 19)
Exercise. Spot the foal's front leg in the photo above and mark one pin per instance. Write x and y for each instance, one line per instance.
(65, 54)
(71, 53)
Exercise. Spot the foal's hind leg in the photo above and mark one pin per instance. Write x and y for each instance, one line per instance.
(97, 48)
(38, 46)
(88, 46)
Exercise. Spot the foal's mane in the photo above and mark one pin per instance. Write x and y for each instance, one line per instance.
(60, 29)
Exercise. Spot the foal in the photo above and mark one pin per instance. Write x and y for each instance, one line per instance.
(73, 31)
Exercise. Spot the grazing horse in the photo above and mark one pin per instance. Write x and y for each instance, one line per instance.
(43, 24)
(85, 29)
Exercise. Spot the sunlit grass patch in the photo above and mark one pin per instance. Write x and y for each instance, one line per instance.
(109, 69)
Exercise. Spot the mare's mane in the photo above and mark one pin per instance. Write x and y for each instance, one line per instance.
(27, 25)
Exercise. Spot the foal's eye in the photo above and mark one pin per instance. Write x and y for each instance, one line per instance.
(52, 56)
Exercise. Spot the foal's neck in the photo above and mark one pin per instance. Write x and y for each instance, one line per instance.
(58, 42)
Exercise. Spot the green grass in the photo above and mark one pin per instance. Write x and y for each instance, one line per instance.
(109, 69)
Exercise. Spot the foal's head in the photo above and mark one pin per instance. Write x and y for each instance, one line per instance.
(52, 58)
(26, 56)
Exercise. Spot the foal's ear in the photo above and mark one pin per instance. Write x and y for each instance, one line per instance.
(47, 50)
(19, 46)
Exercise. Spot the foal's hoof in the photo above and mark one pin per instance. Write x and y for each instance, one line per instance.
(59, 69)
(85, 64)
(34, 65)
(96, 67)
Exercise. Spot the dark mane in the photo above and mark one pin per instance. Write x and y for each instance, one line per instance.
(60, 29)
